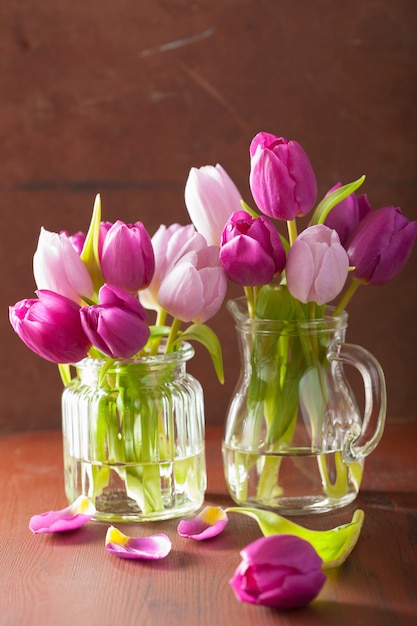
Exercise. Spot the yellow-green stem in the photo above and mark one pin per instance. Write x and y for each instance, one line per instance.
(250, 297)
(292, 231)
(160, 321)
(347, 296)
(173, 334)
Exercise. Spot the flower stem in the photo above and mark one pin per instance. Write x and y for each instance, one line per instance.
(292, 231)
(250, 298)
(173, 334)
(347, 296)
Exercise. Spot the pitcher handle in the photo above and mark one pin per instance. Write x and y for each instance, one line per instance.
(375, 400)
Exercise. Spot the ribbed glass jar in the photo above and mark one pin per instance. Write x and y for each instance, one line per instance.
(133, 436)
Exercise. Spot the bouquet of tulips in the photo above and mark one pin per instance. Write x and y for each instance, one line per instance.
(290, 278)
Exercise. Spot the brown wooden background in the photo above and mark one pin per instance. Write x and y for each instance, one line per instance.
(122, 98)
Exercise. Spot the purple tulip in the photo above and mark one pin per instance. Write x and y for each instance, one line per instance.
(57, 267)
(127, 257)
(170, 244)
(279, 571)
(211, 197)
(251, 250)
(346, 215)
(51, 327)
(380, 245)
(317, 265)
(117, 325)
(282, 179)
(195, 287)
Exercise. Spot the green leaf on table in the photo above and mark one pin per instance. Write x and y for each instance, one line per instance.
(208, 338)
(333, 546)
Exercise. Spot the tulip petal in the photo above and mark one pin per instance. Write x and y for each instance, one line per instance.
(74, 516)
(148, 548)
(210, 522)
(333, 546)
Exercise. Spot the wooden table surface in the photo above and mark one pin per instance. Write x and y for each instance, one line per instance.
(69, 578)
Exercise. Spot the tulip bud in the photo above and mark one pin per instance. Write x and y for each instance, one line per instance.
(279, 571)
(77, 239)
(57, 267)
(211, 197)
(117, 326)
(346, 215)
(127, 258)
(195, 287)
(170, 244)
(380, 245)
(51, 327)
(317, 265)
(281, 179)
(251, 250)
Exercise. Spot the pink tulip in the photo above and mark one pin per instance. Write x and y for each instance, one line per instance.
(117, 325)
(127, 257)
(346, 215)
(251, 250)
(51, 327)
(57, 267)
(282, 179)
(72, 517)
(77, 239)
(195, 287)
(317, 265)
(279, 571)
(170, 244)
(380, 245)
(211, 197)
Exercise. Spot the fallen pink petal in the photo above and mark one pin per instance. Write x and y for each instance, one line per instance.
(151, 548)
(210, 522)
(74, 516)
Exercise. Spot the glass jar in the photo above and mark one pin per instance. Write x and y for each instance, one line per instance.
(295, 440)
(133, 437)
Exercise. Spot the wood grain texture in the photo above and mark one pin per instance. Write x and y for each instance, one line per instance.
(124, 98)
(69, 578)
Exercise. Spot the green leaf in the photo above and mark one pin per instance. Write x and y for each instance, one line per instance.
(208, 338)
(89, 253)
(330, 201)
(333, 546)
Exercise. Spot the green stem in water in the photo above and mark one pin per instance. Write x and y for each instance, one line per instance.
(173, 334)
(347, 296)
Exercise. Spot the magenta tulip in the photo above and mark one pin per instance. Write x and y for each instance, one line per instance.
(117, 325)
(170, 244)
(57, 267)
(279, 571)
(380, 245)
(282, 179)
(211, 197)
(51, 327)
(195, 287)
(317, 265)
(251, 250)
(127, 257)
(346, 215)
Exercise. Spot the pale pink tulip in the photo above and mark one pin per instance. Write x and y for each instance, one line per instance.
(57, 267)
(211, 197)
